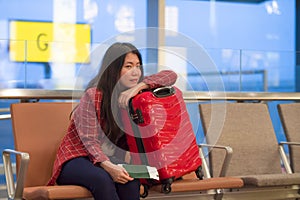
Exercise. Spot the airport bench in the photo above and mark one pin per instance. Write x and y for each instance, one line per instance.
(38, 128)
(247, 128)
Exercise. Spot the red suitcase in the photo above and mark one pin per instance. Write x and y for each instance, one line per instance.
(160, 134)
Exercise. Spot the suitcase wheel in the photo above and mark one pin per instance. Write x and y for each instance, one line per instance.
(166, 188)
(166, 185)
(145, 193)
(199, 173)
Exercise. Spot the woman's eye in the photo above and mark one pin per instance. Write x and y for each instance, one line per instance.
(131, 66)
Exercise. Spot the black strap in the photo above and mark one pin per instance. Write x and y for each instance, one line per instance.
(137, 135)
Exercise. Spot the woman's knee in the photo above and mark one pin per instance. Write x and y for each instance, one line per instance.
(80, 171)
(101, 180)
(132, 188)
(102, 186)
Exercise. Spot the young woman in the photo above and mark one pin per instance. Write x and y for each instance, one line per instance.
(95, 143)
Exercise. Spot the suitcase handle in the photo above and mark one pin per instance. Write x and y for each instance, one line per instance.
(164, 91)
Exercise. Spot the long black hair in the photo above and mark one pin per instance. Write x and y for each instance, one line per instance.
(106, 81)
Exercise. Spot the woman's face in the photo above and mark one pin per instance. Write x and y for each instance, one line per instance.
(131, 71)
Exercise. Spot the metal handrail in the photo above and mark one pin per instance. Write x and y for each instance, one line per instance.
(27, 94)
(37, 94)
(189, 96)
(5, 116)
(242, 96)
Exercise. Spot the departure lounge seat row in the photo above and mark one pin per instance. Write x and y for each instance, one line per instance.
(242, 158)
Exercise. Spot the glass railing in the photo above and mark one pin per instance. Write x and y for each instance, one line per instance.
(43, 65)
(258, 74)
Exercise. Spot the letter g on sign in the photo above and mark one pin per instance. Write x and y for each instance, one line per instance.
(42, 44)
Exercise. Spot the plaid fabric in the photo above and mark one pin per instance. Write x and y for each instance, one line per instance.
(85, 136)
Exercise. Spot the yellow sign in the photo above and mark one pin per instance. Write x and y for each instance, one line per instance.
(49, 42)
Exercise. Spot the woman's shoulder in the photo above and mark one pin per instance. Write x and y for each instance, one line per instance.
(93, 93)
(92, 90)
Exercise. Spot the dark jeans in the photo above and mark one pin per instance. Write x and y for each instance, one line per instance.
(81, 171)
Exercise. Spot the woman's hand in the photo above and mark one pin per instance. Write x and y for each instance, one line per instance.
(118, 173)
(131, 92)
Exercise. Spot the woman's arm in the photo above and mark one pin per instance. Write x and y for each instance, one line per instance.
(88, 126)
(127, 94)
(162, 78)
(89, 130)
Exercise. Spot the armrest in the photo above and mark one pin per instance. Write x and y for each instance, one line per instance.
(290, 143)
(284, 157)
(15, 191)
(227, 158)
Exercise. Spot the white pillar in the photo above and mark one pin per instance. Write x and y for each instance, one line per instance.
(63, 73)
